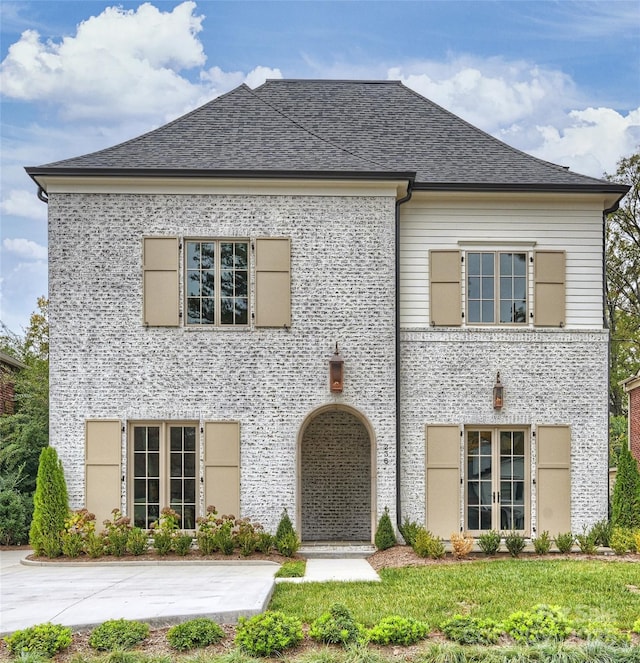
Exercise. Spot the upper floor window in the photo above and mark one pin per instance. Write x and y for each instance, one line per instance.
(496, 288)
(217, 282)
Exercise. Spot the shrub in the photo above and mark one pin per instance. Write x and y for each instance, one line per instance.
(602, 532)
(385, 536)
(77, 526)
(462, 545)
(13, 518)
(285, 526)
(247, 536)
(427, 545)
(396, 630)
(72, 544)
(162, 542)
(620, 540)
(43, 639)
(199, 632)
(603, 632)
(543, 622)
(636, 626)
(409, 531)
(116, 533)
(542, 543)
(137, 542)
(94, 545)
(625, 503)
(468, 630)
(489, 542)
(207, 529)
(336, 627)
(118, 634)
(288, 544)
(514, 541)
(587, 541)
(268, 634)
(264, 543)
(636, 541)
(182, 544)
(564, 542)
(50, 506)
(224, 537)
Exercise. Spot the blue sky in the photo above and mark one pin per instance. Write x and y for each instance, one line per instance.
(558, 79)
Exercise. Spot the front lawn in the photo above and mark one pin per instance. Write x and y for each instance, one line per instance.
(590, 590)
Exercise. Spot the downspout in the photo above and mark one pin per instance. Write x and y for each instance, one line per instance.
(398, 399)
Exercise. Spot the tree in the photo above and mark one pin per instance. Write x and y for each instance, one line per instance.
(625, 506)
(623, 282)
(50, 506)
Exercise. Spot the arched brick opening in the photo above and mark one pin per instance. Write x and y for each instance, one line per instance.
(336, 477)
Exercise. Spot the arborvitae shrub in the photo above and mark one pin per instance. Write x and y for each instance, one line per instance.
(625, 503)
(385, 536)
(409, 530)
(286, 539)
(428, 545)
(50, 506)
(285, 526)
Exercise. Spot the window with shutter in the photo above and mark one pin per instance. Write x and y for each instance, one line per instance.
(160, 282)
(445, 292)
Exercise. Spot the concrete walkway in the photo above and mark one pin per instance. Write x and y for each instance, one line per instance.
(84, 595)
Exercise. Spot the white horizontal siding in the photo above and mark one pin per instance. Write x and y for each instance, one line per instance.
(572, 225)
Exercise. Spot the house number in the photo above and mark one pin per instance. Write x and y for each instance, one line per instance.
(385, 453)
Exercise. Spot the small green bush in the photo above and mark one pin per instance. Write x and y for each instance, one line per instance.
(336, 627)
(285, 526)
(162, 542)
(247, 536)
(264, 543)
(489, 542)
(636, 626)
(94, 545)
(514, 542)
(621, 540)
(182, 544)
(13, 518)
(72, 544)
(118, 634)
(268, 634)
(207, 543)
(288, 544)
(564, 542)
(428, 545)
(603, 632)
(602, 532)
(543, 622)
(43, 639)
(468, 630)
(587, 541)
(137, 542)
(409, 530)
(396, 630)
(116, 534)
(385, 536)
(542, 543)
(196, 633)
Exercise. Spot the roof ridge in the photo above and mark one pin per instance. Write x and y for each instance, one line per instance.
(309, 131)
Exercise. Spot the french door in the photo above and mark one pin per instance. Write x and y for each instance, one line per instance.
(497, 480)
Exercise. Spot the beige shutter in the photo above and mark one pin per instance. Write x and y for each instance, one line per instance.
(445, 295)
(554, 479)
(160, 287)
(443, 479)
(222, 466)
(103, 472)
(550, 295)
(273, 282)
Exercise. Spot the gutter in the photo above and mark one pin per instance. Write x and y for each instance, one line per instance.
(398, 398)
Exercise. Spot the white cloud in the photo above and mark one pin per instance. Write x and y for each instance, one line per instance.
(24, 204)
(25, 248)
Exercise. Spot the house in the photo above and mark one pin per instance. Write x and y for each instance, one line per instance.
(632, 387)
(9, 366)
(204, 275)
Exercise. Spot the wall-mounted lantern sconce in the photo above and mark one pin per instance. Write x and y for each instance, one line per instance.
(336, 372)
(498, 394)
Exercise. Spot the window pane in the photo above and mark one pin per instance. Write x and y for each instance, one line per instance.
(154, 512)
(520, 311)
(176, 491)
(474, 311)
(226, 255)
(139, 439)
(193, 283)
(505, 443)
(485, 519)
(139, 465)
(226, 311)
(505, 468)
(485, 493)
(153, 438)
(153, 488)
(189, 465)
(176, 438)
(193, 254)
(487, 288)
(189, 490)
(473, 492)
(505, 264)
(139, 491)
(506, 314)
(473, 288)
(487, 311)
(473, 264)
(140, 516)
(518, 443)
(519, 288)
(153, 465)
(241, 317)
(505, 492)
(176, 465)
(189, 518)
(487, 264)
(241, 255)
(208, 311)
(241, 283)
(208, 283)
(520, 264)
(189, 438)
(193, 311)
(208, 255)
(506, 288)
(226, 284)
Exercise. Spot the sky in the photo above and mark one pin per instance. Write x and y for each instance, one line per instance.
(559, 79)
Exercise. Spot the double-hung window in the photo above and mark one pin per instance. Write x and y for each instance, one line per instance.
(217, 282)
(496, 287)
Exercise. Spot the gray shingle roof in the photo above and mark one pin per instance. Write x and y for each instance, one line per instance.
(328, 127)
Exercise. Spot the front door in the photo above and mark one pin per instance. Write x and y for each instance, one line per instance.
(497, 495)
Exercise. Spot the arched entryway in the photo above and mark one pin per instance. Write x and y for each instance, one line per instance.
(336, 486)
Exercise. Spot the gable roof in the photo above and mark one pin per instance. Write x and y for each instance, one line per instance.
(322, 128)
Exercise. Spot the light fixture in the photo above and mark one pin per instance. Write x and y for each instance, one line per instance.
(498, 393)
(336, 372)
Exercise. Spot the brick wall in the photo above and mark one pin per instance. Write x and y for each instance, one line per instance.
(106, 364)
(634, 421)
(6, 389)
(549, 377)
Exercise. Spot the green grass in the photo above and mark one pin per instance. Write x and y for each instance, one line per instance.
(294, 569)
(590, 590)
